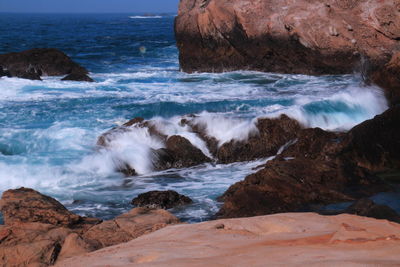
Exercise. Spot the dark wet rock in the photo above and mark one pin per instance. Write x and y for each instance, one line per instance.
(161, 199)
(39, 231)
(200, 130)
(184, 154)
(367, 208)
(292, 185)
(4, 72)
(272, 135)
(126, 169)
(81, 77)
(34, 63)
(322, 168)
(375, 144)
(305, 36)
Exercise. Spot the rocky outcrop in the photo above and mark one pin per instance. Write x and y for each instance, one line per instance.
(308, 37)
(34, 63)
(302, 239)
(320, 168)
(368, 208)
(161, 199)
(270, 135)
(28, 205)
(375, 144)
(128, 226)
(38, 230)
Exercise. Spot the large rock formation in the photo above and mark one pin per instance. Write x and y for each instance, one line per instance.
(303, 239)
(34, 63)
(321, 168)
(305, 36)
(38, 230)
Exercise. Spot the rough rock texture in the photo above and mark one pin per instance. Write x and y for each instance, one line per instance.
(161, 199)
(321, 168)
(304, 36)
(302, 239)
(366, 207)
(272, 135)
(128, 226)
(39, 230)
(292, 185)
(34, 63)
(28, 205)
(375, 144)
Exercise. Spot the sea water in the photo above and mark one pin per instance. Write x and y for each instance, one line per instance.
(49, 128)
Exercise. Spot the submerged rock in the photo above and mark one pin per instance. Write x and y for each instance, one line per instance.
(34, 63)
(81, 77)
(39, 230)
(305, 36)
(161, 199)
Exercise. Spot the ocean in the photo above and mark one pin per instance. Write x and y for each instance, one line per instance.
(49, 128)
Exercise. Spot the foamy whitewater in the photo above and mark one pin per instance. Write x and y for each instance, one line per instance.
(49, 128)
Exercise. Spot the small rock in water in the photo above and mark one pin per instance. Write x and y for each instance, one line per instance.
(161, 199)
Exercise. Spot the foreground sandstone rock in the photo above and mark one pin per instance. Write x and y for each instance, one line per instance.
(34, 63)
(38, 230)
(308, 37)
(303, 239)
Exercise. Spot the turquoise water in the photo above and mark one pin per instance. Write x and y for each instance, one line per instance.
(48, 129)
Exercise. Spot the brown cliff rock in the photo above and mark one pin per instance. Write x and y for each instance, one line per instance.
(305, 36)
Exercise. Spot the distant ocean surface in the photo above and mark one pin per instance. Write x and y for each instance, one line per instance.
(49, 129)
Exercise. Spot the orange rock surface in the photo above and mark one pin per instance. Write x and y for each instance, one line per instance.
(290, 239)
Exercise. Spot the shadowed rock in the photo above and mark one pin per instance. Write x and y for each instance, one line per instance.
(321, 168)
(161, 199)
(366, 207)
(272, 135)
(34, 63)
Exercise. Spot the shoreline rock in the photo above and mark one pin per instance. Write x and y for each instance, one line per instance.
(34, 63)
(299, 37)
(290, 239)
(40, 231)
(320, 168)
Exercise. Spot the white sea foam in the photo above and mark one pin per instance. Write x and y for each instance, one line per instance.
(341, 111)
(226, 129)
(145, 17)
